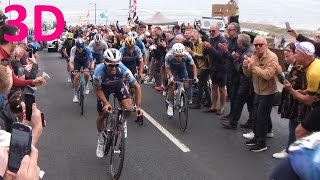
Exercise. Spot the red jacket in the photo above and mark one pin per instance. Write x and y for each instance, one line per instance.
(17, 82)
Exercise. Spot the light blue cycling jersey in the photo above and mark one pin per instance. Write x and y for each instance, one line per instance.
(140, 45)
(130, 59)
(101, 78)
(171, 61)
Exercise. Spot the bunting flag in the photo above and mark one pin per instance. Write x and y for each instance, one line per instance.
(104, 14)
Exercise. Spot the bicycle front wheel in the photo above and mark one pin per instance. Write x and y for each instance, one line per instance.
(81, 98)
(183, 112)
(117, 152)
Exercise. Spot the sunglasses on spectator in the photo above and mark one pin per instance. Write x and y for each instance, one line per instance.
(230, 29)
(112, 65)
(212, 31)
(318, 37)
(258, 45)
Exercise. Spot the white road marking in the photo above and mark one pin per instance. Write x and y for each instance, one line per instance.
(176, 141)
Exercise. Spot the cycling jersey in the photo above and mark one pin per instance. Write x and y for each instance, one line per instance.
(103, 80)
(313, 77)
(130, 59)
(98, 49)
(304, 157)
(81, 59)
(113, 83)
(68, 44)
(178, 68)
(140, 45)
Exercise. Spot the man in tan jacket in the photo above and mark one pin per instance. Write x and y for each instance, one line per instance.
(260, 67)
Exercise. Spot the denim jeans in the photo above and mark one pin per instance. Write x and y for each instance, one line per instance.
(293, 124)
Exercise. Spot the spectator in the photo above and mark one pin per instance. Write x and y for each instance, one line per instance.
(28, 170)
(302, 38)
(179, 38)
(233, 76)
(217, 69)
(14, 110)
(311, 96)
(6, 50)
(170, 38)
(317, 36)
(245, 92)
(289, 107)
(177, 30)
(5, 83)
(260, 67)
(202, 63)
(3, 18)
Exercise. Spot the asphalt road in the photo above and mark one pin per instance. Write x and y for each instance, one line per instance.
(68, 144)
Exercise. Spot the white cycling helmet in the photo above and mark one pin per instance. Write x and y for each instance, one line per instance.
(178, 49)
(97, 38)
(112, 55)
(133, 34)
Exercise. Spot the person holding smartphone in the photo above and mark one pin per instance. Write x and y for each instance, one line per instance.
(6, 51)
(29, 169)
(16, 109)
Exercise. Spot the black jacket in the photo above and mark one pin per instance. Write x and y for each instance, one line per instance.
(6, 118)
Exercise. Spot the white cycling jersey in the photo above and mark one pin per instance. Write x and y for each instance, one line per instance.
(98, 49)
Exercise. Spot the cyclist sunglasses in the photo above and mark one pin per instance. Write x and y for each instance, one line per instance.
(111, 65)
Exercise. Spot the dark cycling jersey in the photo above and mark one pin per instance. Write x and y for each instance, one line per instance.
(68, 44)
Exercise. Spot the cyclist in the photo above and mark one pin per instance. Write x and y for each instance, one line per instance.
(176, 68)
(80, 56)
(97, 46)
(131, 55)
(67, 46)
(140, 44)
(109, 78)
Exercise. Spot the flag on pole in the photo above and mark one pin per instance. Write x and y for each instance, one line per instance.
(104, 14)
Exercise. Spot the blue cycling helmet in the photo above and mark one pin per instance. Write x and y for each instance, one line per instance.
(30, 37)
(79, 43)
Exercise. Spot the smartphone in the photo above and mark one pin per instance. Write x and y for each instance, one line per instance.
(28, 90)
(288, 26)
(20, 145)
(5, 62)
(29, 99)
(30, 51)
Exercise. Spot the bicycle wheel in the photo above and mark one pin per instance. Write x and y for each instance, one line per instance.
(81, 99)
(117, 152)
(183, 112)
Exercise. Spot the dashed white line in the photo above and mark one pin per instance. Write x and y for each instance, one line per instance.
(176, 141)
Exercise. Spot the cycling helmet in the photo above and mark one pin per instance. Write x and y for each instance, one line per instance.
(69, 36)
(79, 43)
(112, 55)
(97, 38)
(130, 41)
(133, 34)
(178, 49)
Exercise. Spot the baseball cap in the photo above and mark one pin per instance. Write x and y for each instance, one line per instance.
(305, 47)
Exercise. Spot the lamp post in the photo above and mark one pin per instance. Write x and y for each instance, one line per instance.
(10, 11)
(95, 13)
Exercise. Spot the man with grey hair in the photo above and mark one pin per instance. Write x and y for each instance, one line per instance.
(305, 56)
(202, 63)
(261, 68)
(217, 69)
(179, 38)
(233, 77)
(245, 92)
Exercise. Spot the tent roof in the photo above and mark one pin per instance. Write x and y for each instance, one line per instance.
(159, 19)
